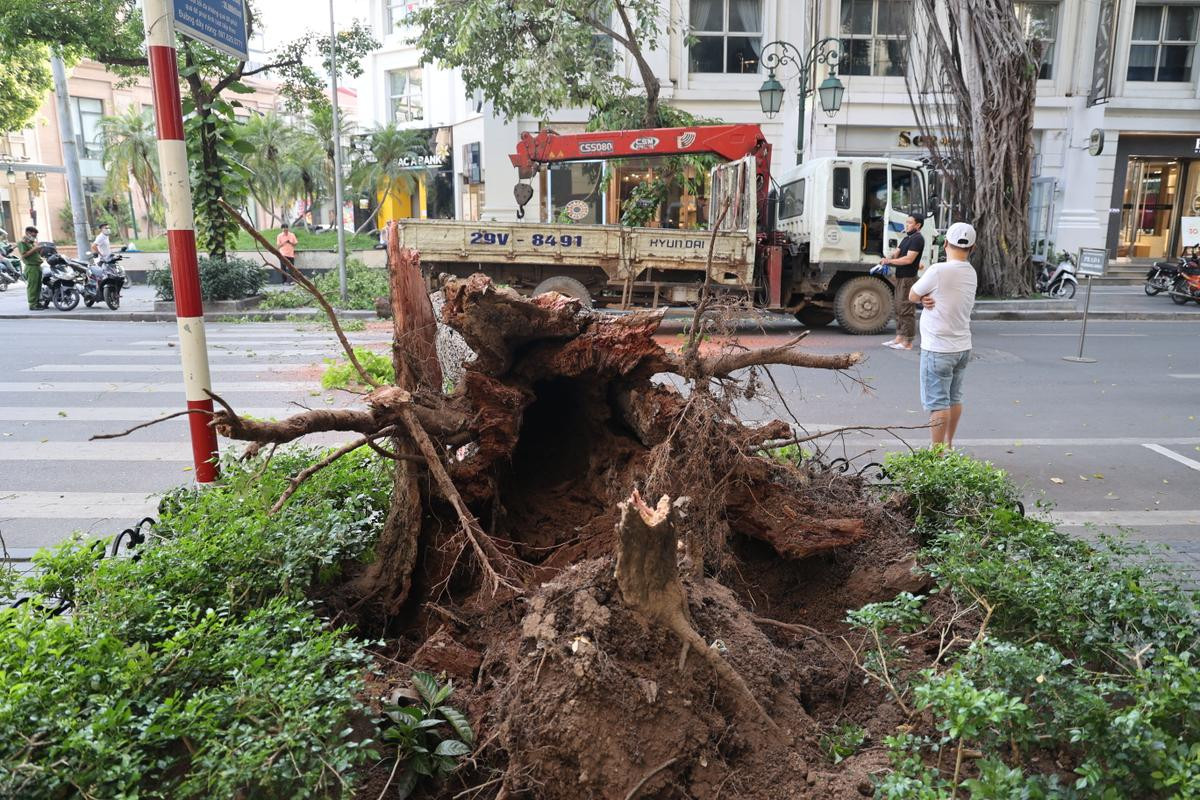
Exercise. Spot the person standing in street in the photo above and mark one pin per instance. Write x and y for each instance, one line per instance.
(285, 243)
(31, 254)
(947, 292)
(905, 260)
(101, 247)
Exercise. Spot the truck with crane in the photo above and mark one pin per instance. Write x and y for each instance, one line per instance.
(805, 248)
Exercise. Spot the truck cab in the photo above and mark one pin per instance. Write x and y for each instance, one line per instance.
(839, 217)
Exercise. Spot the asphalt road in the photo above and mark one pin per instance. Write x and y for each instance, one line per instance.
(1122, 435)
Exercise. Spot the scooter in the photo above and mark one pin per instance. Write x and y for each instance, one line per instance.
(10, 267)
(105, 279)
(1187, 284)
(1058, 280)
(61, 279)
(1161, 276)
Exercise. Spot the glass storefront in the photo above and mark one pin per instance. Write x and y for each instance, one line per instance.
(1156, 190)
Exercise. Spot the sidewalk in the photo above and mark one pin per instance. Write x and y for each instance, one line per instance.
(1108, 302)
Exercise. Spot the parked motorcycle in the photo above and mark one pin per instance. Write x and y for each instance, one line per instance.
(1058, 280)
(1187, 284)
(61, 279)
(10, 267)
(105, 279)
(1161, 276)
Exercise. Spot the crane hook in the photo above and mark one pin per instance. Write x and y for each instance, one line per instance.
(523, 192)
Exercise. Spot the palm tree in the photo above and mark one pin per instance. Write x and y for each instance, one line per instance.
(320, 123)
(131, 151)
(304, 173)
(389, 167)
(270, 137)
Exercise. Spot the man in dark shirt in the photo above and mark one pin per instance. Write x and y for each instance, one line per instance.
(905, 260)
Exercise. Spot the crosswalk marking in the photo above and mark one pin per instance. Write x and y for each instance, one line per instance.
(174, 353)
(232, 343)
(96, 387)
(115, 414)
(57, 505)
(1187, 376)
(1171, 454)
(121, 450)
(171, 368)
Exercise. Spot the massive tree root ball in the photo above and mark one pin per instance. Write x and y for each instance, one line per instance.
(608, 647)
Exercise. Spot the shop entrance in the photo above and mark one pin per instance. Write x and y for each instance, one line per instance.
(1158, 192)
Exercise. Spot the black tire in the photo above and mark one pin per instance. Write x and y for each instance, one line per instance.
(1179, 293)
(1063, 290)
(863, 305)
(89, 301)
(66, 299)
(1150, 290)
(112, 297)
(815, 316)
(564, 285)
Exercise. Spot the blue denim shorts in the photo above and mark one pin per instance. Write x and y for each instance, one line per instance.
(942, 378)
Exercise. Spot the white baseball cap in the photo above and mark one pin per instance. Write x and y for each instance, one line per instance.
(961, 234)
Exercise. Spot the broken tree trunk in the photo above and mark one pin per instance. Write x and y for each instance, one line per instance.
(648, 577)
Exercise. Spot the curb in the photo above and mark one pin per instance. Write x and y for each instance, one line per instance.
(1051, 316)
(250, 315)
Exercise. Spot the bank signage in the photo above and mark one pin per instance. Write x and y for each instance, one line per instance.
(217, 23)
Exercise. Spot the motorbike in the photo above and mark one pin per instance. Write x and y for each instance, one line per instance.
(1187, 284)
(1058, 280)
(104, 281)
(1161, 276)
(10, 267)
(62, 279)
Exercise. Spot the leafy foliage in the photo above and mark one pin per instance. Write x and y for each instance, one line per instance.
(431, 738)
(220, 279)
(530, 57)
(363, 285)
(24, 79)
(1086, 657)
(341, 374)
(842, 742)
(199, 669)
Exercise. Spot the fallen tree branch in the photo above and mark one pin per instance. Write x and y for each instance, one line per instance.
(637, 787)
(771, 445)
(300, 477)
(96, 436)
(308, 285)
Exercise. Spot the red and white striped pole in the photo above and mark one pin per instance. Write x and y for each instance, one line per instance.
(181, 234)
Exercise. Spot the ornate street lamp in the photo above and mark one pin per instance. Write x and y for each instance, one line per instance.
(12, 177)
(779, 54)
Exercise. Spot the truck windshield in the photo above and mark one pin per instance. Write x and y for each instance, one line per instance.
(791, 199)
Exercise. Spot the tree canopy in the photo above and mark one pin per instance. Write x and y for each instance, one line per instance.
(531, 57)
(23, 74)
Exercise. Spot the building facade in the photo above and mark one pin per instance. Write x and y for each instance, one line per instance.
(1116, 126)
(31, 196)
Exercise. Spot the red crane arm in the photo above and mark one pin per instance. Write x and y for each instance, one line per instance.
(730, 142)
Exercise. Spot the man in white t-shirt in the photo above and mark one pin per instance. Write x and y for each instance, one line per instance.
(101, 246)
(947, 291)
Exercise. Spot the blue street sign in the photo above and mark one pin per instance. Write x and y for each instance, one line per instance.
(218, 23)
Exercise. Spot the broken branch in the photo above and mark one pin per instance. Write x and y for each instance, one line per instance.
(94, 437)
(300, 477)
(308, 285)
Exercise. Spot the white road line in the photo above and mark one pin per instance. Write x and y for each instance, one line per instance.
(857, 439)
(174, 353)
(240, 343)
(1171, 454)
(116, 414)
(226, 388)
(274, 366)
(1131, 519)
(75, 505)
(1185, 376)
(113, 451)
(1076, 335)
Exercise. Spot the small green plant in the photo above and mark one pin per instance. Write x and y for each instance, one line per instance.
(842, 742)
(790, 454)
(341, 374)
(431, 738)
(363, 285)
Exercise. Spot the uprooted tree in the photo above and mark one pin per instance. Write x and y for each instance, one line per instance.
(972, 85)
(517, 526)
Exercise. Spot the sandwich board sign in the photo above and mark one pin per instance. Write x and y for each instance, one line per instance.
(1092, 261)
(217, 23)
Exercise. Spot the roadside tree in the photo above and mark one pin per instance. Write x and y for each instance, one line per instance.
(131, 156)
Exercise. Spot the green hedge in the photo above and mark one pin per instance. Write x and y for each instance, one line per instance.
(220, 279)
(198, 670)
(1086, 657)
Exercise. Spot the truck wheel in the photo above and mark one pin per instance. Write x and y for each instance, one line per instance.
(814, 316)
(564, 285)
(863, 305)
